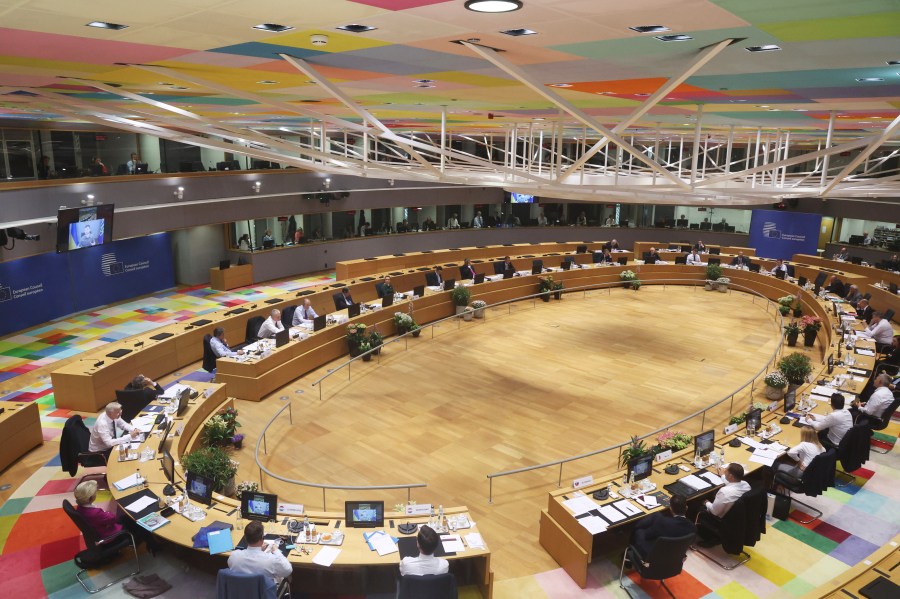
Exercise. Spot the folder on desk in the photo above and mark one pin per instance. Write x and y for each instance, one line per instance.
(220, 541)
(118, 353)
(201, 322)
(161, 336)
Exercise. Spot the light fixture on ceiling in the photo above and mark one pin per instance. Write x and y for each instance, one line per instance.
(893, 63)
(356, 28)
(327, 183)
(650, 28)
(518, 32)
(255, 187)
(105, 25)
(493, 6)
(89, 201)
(560, 85)
(423, 80)
(869, 79)
(272, 27)
(735, 101)
(679, 37)
(763, 48)
(801, 110)
(266, 82)
(179, 193)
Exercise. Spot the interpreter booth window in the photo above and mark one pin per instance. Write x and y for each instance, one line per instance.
(883, 234)
(19, 161)
(717, 220)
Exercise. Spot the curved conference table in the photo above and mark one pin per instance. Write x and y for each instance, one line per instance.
(88, 383)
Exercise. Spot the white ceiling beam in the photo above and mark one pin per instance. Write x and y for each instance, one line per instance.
(885, 135)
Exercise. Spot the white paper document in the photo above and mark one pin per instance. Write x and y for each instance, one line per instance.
(581, 505)
(865, 352)
(764, 457)
(452, 543)
(695, 482)
(127, 482)
(627, 508)
(648, 501)
(143, 423)
(777, 447)
(383, 544)
(611, 513)
(173, 391)
(140, 504)
(752, 443)
(326, 556)
(713, 478)
(474, 541)
(593, 524)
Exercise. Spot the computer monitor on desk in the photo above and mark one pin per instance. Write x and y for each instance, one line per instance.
(449, 284)
(419, 291)
(168, 465)
(479, 278)
(754, 420)
(319, 323)
(165, 435)
(802, 281)
(262, 507)
(779, 274)
(387, 300)
(199, 488)
(183, 398)
(704, 443)
(282, 337)
(353, 310)
(364, 514)
(641, 467)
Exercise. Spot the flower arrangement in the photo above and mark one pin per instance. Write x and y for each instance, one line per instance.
(356, 332)
(795, 367)
(229, 415)
(792, 328)
(787, 300)
(723, 280)
(674, 440)
(479, 304)
(776, 379)
(375, 339)
(213, 463)
(545, 284)
(404, 322)
(635, 449)
(810, 323)
(630, 277)
(221, 428)
(247, 486)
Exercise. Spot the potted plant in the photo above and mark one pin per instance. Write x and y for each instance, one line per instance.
(356, 335)
(545, 285)
(810, 326)
(791, 332)
(784, 304)
(713, 274)
(364, 348)
(674, 440)
(737, 419)
(215, 464)
(238, 441)
(460, 297)
(775, 384)
(630, 279)
(722, 284)
(558, 287)
(405, 324)
(635, 449)
(376, 340)
(479, 306)
(246, 486)
(215, 432)
(795, 368)
(468, 313)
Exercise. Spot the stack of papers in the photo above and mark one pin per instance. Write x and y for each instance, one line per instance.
(765, 457)
(381, 542)
(144, 423)
(141, 504)
(326, 556)
(627, 508)
(474, 541)
(581, 505)
(127, 482)
(695, 482)
(611, 513)
(715, 479)
(865, 352)
(452, 543)
(173, 391)
(648, 501)
(593, 524)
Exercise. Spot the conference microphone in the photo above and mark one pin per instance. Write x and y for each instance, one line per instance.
(189, 327)
(139, 343)
(99, 364)
(253, 306)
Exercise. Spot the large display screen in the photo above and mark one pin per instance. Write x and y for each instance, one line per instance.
(521, 198)
(79, 228)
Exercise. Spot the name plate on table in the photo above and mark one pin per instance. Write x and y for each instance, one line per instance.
(730, 429)
(419, 509)
(582, 482)
(663, 456)
(290, 509)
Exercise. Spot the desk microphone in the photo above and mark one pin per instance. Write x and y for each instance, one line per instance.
(253, 306)
(98, 364)
(189, 327)
(139, 343)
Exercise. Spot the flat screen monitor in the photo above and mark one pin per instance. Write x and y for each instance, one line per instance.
(704, 443)
(364, 514)
(79, 228)
(259, 506)
(641, 467)
(353, 310)
(165, 435)
(802, 281)
(183, 398)
(623, 261)
(282, 337)
(714, 261)
(268, 244)
(893, 288)
(198, 488)
(830, 363)
(566, 264)
(419, 290)
(597, 257)
(508, 274)
(779, 274)
(753, 267)
(141, 168)
(521, 198)
(479, 278)
(168, 467)
(224, 264)
(449, 284)
(790, 400)
(820, 279)
(715, 250)
(387, 300)
(754, 420)
(318, 323)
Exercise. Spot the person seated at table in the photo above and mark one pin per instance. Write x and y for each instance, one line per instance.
(893, 263)
(244, 242)
(740, 260)
(542, 220)
(267, 237)
(780, 266)
(384, 288)
(425, 563)
(611, 245)
(873, 409)
(652, 256)
(832, 427)
(836, 286)
(694, 258)
(453, 222)
(298, 236)
(709, 520)
(467, 271)
(434, 278)
(304, 314)
(219, 345)
(607, 257)
(581, 221)
(671, 523)
(478, 221)
(699, 246)
(864, 310)
(105, 524)
(842, 255)
(271, 326)
(143, 383)
(254, 559)
(98, 169)
(105, 432)
(866, 240)
(879, 329)
(343, 299)
(853, 295)
(403, 227)
(508, 265)
(801, 454)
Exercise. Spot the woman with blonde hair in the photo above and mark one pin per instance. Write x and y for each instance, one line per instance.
(107, 523)
(802, 453)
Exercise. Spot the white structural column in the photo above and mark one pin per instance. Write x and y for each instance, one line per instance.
(828, 135)
(696, 153)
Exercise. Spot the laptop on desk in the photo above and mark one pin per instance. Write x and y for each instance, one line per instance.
(508, 274)
(282, 337)
(353, 310)
(387, 300)
(449, 284)
(319, 323)
(419, 290)
(479, 278)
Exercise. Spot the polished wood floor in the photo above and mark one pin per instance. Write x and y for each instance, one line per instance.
(529, 384)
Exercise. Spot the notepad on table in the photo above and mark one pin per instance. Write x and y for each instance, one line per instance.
(383, 544)
(474, 541)
(627, 508)
(139, 505)
(581, 505)
(127, 482)
(326, 556)
(611, 513)
(695, 482)
(220, 541)
(715, 479)
(452, 543)
(593, 524)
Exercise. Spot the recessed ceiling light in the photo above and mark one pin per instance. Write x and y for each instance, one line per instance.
(423, 81)
(272, 27)
(560, 85)
(869, 79)
(801, 110)
(650, 28)
(735, 101)
(774, 110)
(356, 28)
(893, 63)
(674, 38)
(763, 106)
(426, 85)
(266, 82)
(494, 6)
(105, 25)
(518, 32)
(764, 48)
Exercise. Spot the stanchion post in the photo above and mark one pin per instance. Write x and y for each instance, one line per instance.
(324, 505)
(491, 490)
(559, 482)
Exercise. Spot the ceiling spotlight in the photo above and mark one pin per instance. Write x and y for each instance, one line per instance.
(327, 183)
(266, 82)
(356, 28)
(764, 48)
(518, 32)
(179, 193)
(870, 79)
(650, 28)
(493, 6)
(560, 85)
(105, 25)
(318, 39)
(673, 38)
(89, 201)
(255, 187)
(272, 27)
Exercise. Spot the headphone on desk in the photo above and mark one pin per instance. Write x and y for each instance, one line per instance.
(294, 525)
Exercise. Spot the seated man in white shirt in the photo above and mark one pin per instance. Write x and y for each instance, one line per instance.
(834, 426)
(256, 560)
(780, 266)
(709, 521)
(220, 347)
(879, 329)
(105, 432)
(478, 221)
(425, 562)
(453, 222)
(304, 314)
(694, 258)
(271, 326)
(878, 402)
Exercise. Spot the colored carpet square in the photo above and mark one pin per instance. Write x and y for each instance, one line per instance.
(36, 528)
(853, 550)
(60, 551)
(684, 585)
(806, 536)
(831, 532)
(57, 487)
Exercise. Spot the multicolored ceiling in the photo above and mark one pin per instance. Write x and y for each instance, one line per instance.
(584, 48)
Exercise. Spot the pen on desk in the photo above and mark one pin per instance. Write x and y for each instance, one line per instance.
(231, 512)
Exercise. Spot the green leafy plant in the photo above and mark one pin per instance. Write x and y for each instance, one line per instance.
(737, 419)
(776, 379)
(460, 296)
(792, 328)
(479, 304)
(404, 322)
(375, 339)
(213, 463)
(545, 284)
(787, 300)
(635, 449)
(713, 272)
(674, 440)
(215, 432)
(795, 367)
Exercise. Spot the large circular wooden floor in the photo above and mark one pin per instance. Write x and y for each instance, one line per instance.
(525, 386)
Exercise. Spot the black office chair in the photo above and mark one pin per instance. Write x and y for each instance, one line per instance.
(853, 451)
(133, 401)
(790, 270)
(99, 552)
(379, 290)
(287, 316)
(666, 560)
(429, 586)
(742, 526)
(253, 326)
(73, 452)
(881, 423)
(817, 477)
(209, 357)
(240, 585)
(888, 314)
(622, 261)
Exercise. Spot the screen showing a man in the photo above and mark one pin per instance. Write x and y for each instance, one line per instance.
(85, 234)
(365, 513)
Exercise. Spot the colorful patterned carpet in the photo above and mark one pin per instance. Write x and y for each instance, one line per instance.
(37, 540)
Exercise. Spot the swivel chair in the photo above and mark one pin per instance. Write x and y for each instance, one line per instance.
(287, 316)
(73, 451)
(666, 560)
(99, 551)
(817, 477)
(252, 331)
(853, 451)
(429, 586)
(881, 423)
(239, 585)
(742, 526)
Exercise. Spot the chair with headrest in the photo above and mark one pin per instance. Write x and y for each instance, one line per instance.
(666, 560)
(742, 526)
(817, 477)
(853, 450)
(133, 401)
(209, 356)
(241, 585)
(429, 586)
(287, 316)
(99, 552)
(253, 325)
(878, 424)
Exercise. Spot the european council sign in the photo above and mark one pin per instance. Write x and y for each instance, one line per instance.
(777, 234)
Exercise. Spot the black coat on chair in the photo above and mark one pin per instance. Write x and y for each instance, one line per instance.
(209, 357)
(854, 448)
(429, 586)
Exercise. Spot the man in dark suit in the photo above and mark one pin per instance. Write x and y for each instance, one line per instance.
(143, 383)
(836, 286)
(343, 300)
(699, 246)
(466, 271)
(662, 524)
(652, 256)
(508, 266)
(740, 260)
(384, 288)
(864, 310)
(611, 245)
(434, 278)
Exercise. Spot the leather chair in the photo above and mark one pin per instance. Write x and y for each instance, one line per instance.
(888, 314)
(881, 423)
(429, 586)
(239, 585)
(666, 560)
(853, 450)
(99, 551)
(252, 332)
(287, 316)
(133, 401)
(742, 526)
(817, 477)
(209, 358)
(73, 451)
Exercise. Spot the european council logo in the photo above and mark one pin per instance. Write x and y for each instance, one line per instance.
(5, 293)
(770, 230)
(110, 266)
